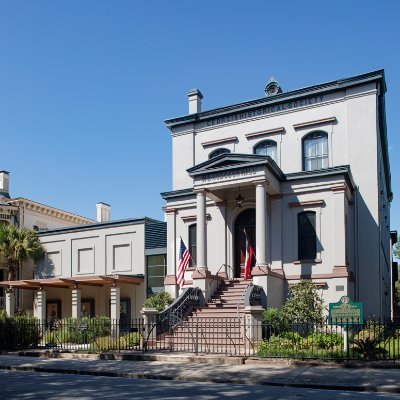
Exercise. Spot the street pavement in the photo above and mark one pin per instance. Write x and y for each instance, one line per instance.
(49, 386)
(216, 370)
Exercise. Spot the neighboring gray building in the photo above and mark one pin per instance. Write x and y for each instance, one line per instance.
(95, 269)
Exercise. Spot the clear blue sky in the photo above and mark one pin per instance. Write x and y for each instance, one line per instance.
(85, 85)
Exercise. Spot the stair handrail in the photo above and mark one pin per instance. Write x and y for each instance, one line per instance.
(179, 309)
(216, 276)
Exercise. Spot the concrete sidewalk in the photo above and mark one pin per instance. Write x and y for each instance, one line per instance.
(216, 370)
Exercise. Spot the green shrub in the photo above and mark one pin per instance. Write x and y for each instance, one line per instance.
(369, 349)
(275, 320)
(372, 330)
(159, 301)
(303, 304)
(130, 340)
(73, 330)
(19, 332)
(286, 343)
(323, 340)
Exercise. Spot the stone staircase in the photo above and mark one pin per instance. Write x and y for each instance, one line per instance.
(216, 327)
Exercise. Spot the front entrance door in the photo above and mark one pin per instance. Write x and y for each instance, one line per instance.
(245, 221)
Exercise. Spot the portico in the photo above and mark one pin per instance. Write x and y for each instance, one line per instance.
(220, 181)
(47, 292)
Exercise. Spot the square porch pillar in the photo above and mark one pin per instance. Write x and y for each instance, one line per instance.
(10, 302)
(40, 309)
(76, 302)
(115, 295)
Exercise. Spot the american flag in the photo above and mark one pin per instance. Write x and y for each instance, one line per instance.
(249, 256)
(184, 258)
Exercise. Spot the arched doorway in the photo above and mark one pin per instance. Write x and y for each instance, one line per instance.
(246, 221)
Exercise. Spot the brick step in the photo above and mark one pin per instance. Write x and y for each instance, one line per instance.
(219, 306)
(213, 322)
(238, 350)
(228, 293)
(209, 335)
(206, 329)
(213, 314)
(227, 299)
(216, 310)
(211, 341)
(232, 336)
(225, 289)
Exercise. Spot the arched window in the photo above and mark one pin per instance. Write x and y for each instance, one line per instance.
(307, 236)
(218, 152)
(192, 244)
(266, 148)
(315, 151)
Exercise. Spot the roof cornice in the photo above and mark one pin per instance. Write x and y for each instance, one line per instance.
(322, 88)
(51, 211)
(177, 193)
(340, 170)
(99, 225)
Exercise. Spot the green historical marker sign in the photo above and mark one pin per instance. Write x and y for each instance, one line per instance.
(345, 312)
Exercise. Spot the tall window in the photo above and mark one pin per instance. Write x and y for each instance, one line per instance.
(218, 152)
(315, 151)
(156, 271)
(192, 244)
(266, 148)
(307, 236)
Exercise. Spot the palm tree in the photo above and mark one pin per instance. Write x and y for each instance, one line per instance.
(18, 245)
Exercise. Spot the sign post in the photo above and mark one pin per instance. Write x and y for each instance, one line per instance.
(344, 313)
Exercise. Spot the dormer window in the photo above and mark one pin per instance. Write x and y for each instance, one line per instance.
(266, 148)
(218, 152)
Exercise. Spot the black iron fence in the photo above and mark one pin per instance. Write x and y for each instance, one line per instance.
(243, 336)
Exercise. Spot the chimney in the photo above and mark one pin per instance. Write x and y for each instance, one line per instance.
(103, 212)
(195, 97)
(5, 184)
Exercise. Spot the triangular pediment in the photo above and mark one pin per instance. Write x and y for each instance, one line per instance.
(226, 162)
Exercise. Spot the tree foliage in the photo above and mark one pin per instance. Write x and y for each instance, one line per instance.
(159, 301)
(303, 303)
(18, 245)
(396, 249)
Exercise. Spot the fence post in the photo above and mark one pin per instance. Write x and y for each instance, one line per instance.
(149, 329)
(253, 325)
(10, 302)
(197, 339)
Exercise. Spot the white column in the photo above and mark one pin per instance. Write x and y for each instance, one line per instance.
(261, 223)
(76, 303)
(40, 309)
(171, 242)
(170, 280)
(201, 231)
(10, 302)
(115, 303)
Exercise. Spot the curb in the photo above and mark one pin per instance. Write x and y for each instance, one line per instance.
(238, 381)
(207, 359)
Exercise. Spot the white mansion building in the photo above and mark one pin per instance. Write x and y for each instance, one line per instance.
(305, 173)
